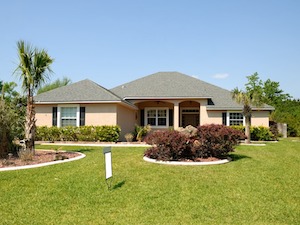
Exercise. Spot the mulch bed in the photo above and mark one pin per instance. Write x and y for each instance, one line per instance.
(41, 156)
(209, 159)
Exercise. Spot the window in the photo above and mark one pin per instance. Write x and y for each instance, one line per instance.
(68, 116)
(156, 117)
(236, 118)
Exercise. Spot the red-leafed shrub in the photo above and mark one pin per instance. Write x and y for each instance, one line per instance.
(168, 146)
(209, 141)
(216, 140)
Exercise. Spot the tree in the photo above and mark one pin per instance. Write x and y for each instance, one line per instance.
(10, 124)
(1, 86)
(33, 68)
(8, 91)
(56, 84)
(252, 97)
(288, 112)
(272, 94)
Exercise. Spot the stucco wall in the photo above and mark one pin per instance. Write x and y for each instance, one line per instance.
(126, 119)
(260, 118)
(95, 114)
(214, 117)
(43, 115)
(203, 112)
(100, 114)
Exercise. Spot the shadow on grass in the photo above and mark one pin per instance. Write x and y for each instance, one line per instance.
(118, 185)
(83, 150)
(236, 157)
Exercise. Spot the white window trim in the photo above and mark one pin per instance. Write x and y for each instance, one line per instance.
(65, 106)
(228, 117)
(156, 108)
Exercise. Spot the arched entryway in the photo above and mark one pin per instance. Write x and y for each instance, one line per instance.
(189, 113)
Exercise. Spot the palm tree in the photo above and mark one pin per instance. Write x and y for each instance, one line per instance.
(252, 97)
(33, 68)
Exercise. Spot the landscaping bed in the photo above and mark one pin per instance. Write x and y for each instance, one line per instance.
(40, 156)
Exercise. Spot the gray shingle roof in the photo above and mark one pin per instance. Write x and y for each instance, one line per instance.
(162, 85)
(82, 91)
(177, 85)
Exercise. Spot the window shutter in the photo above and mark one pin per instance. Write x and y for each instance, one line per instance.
(171, 119)
(54, 116)
(142, 117)
(224, 118)
(82, 116)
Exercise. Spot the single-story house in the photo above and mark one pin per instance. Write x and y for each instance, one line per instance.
(163, 100)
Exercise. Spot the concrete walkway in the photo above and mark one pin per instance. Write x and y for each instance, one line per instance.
(97, 144)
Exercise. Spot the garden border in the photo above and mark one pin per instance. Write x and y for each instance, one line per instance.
(180, 163)
(81, 156)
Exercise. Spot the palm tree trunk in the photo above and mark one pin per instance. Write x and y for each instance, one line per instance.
(247, 129)
(30, 126)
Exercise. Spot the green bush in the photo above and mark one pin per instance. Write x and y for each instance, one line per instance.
(107, 133)
(83, 133)
(259, 133)
(140, 132)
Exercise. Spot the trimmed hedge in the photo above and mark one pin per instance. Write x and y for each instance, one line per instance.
(209, 141)
(83, 133)
(259, 133)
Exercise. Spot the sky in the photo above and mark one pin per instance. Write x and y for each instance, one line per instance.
(114, 42)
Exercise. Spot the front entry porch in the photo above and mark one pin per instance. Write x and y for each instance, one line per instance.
(170, 113)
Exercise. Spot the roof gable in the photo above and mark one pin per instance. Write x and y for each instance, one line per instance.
(164, 84)
(82, 91)
(177, 85)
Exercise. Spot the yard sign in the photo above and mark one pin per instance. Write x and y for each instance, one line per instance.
(108, 164)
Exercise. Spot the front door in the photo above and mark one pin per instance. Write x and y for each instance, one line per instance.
(190, 119)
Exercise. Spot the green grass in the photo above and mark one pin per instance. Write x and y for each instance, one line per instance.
(260, 186)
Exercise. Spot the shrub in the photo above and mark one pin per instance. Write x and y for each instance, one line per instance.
(129, 137)
(216, 140)
(168, 145)
(274, 130)
(10, 126)
(107, 133)
(68, 133)
(209, 141)
(141, 131)
(83, 133)
(259, 133)
(86, 133)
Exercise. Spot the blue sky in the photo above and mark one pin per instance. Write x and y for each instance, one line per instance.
(114, 42)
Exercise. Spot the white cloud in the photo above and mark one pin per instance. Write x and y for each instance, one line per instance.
(220, 75)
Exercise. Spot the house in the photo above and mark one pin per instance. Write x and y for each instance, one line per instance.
(163, 100)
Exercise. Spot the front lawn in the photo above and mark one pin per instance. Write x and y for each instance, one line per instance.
(260, 186)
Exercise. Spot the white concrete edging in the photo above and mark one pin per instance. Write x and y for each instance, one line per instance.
(221, 161)
(100, 144)
(81, 156)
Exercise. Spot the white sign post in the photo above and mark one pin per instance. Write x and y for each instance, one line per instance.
(108, 165)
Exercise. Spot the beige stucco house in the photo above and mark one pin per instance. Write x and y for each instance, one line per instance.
(163, 100)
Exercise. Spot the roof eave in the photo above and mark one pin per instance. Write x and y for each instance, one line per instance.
(237, 108)
(85, 102)
(167, 97)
